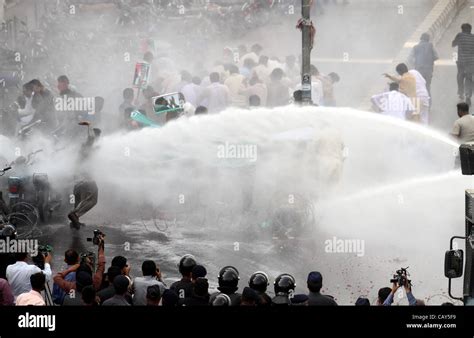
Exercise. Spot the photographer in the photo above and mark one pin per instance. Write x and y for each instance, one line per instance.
(406, 283)
(18, 274)
(87, 266)
(71, 257)
(151, 276)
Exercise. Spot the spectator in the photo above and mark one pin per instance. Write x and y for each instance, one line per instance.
(262, 71)
(153, 295)
(317, 94)
(198, 272)
(465, 62)
(235, 83)
(184, 287)
(6, 295)
(299, 300)
(383, 295)
(74, 296)
(463, 128)
(200, 110)
(71, 258)
(192, 91)
(249, 297)
(423, 56)
(169, 298)
(259, 282)
(18, 274)
(315, 283)
(254, 54)
(254, 101)
(109, 291)
(126, 105)
(121, 263)
(89, 296)
(121, 284)
(256, 88)
(228, 284)
(43, 104)
(393, 103)
(151, 276)
(216, 96)
(33, 297)
(25, 109)
(86, 266)
(221, 300)
(278, 93)
(411, 299)
(361, 301)
(200, 295)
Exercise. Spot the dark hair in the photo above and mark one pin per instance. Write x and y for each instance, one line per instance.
(254, 101)
(263, 59)
(28, 86)
(149, 268)
(394, 86)
(153, 292)
(119, 261)
(21, 256)
(466, 28)
(88, 295)
(121, 284)
(169, 298)
(447, 304)
(334, 76)
(425, 37)
(35, 82)
(383, 294)
(214, 77)
(113, 272)
(37, 281)
(128, 93)
(196, 80)
(401, 68)
(256, 48)
(201, 287)
(298, 96)
(314, 286)
(463, 107)
(71, 257)
(63, 78)
(200, 110)
(233, 69)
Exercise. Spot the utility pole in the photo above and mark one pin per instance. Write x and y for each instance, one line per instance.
(306, 27)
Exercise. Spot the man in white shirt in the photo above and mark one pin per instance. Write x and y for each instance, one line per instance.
(423, 97)
(393, 103)
(192, 91)
(26, 110)
(151, 276)
(18, 274)
(33, 297)
(216, 96)
(463, 128)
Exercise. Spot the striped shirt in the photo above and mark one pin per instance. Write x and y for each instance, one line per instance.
(465, 44)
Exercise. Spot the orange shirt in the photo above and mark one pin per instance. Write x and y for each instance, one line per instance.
(408, 85)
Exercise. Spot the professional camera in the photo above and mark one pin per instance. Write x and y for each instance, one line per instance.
(43, 251)
(95, 240)
(401, 277)
(88, 258)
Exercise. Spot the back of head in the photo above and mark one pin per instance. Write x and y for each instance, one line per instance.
(169, 298)
(121, 284)
(394, 86)
(383, 294)
(314, 281)
(228, 279)
(222, 300)
(119, 261)
(284, 284)
(21, 256)
(263, 60)
(83, 279)
(463, 108)
(153, 293)
(466, 28)
(401, 68)
(313, 70)
(128, 94)
(186, 265)
(149, 268)
(88, 295)
(259, 281)
(71, 257)
(250, 296)
(35, 82)
(201, 287)
(198, 271)
(196, 80)
(298, 96)
(254, 101)
(361, 301)
(256, 48)
(38, 281)
(99, 103)
(113, 272)
(214, 77)
(425, 37)
(233, 69)
(200, 110)
(334, 77)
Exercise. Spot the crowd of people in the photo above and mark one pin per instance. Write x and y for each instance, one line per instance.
(86, 282)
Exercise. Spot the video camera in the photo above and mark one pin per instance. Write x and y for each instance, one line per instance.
(43, 251)
(401, 277)
(95, 240)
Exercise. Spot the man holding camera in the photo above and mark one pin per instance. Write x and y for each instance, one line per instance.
(400, 280)
(87, 266)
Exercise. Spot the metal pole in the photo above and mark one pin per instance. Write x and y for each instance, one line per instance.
(306, 56)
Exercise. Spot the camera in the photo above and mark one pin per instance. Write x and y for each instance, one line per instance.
(401, 277)
(95, 240)
(43, 251)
